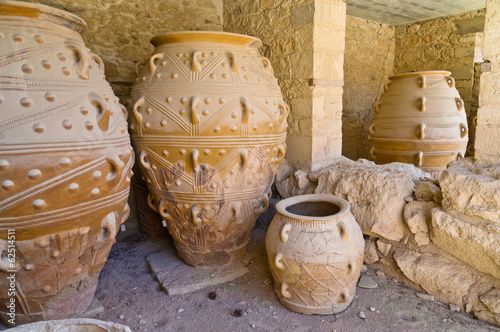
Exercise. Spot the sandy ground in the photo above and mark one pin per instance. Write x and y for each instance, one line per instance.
(131, 296)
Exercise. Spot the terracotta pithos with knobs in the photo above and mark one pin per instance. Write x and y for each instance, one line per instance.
(208, 124)
(315, 252)
(65, 164)
(419, 119)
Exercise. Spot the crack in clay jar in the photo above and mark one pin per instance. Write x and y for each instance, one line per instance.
(315, 252)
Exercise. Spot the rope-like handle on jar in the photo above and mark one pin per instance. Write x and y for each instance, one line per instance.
(137, 115)
(451, 81)
(152, 65)
(137, 65)
(463, 130)
(371, 129)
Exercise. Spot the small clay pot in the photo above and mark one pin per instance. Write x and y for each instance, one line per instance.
(315, 251)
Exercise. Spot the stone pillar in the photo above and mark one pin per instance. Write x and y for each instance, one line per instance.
(315, 135)
(487, 145)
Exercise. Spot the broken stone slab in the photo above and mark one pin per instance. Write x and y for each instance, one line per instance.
(367, 282)
(472, 190)
(469, 243)
(376, 193)
(73, 324)
(417, 215)
(438, 276)
(176, 277)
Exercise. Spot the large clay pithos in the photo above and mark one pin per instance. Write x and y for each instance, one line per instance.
(208, 123)
(315, 252)
(419, 119)
(65, 164)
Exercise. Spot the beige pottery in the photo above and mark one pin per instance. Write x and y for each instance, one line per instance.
(65, 163)
(208, 123)
(419, 119)
(315, 252)
(73, 325)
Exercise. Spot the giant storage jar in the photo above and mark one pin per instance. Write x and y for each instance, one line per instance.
(65, 164)
(208, 123)
(419, 119)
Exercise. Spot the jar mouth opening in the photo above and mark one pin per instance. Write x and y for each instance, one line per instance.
(43, 12)
(206, 37)
(421, 73)
(314, 207)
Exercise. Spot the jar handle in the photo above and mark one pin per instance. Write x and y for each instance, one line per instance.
(284, 232)
(278, 261)
(152, 66)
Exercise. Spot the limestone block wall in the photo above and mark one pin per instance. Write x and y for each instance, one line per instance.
(487, 143)
(446, 43)
(368, 62)
(304, 41)
(120, 31)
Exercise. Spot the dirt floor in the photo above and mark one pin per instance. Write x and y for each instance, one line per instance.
(131, 296)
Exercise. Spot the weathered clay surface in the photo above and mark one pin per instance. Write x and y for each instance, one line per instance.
(446, 281)
(418, 216)
(471, 244)
(315, 258)
(376, 192)
(178, 278)
(209, 124)
(472, 190)
(419, 119)
(65, 162)
(75, 324)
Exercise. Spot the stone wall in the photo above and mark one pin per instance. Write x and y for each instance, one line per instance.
(120, 31)
(304, 41)
(446, 43)
(487, 145)
(368, 62)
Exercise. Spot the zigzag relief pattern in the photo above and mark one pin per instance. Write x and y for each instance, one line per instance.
(223, 120)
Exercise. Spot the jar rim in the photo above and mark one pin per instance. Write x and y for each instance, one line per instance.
(281, 206)
(43, 12)
(206, 37)
(421, 73)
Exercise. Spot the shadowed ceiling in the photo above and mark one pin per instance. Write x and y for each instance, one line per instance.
(401, 12)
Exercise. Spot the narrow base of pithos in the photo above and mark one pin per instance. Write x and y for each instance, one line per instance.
(307, 310)
(209, 258)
